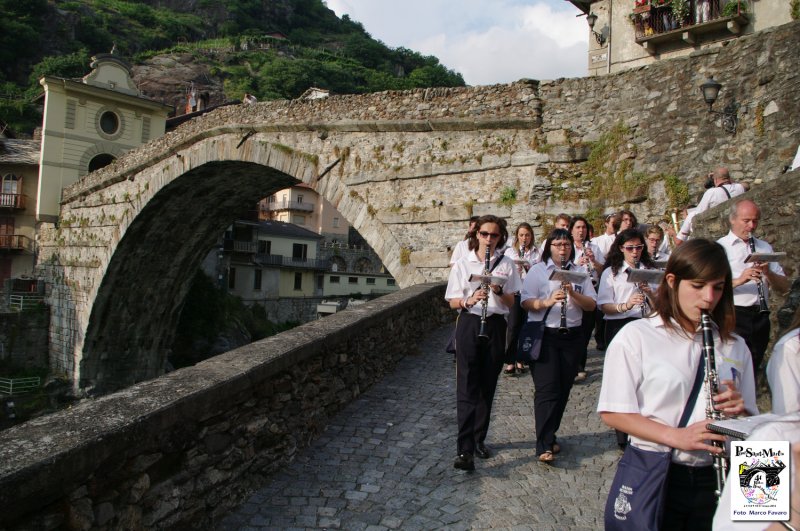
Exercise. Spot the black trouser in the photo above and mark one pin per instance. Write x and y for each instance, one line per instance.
(754, 328)
(615, 325)
(553, 375)
(587, 325)
(516, 318)
(478, 364)
(600, 329)
(612, 327)
(691, 501)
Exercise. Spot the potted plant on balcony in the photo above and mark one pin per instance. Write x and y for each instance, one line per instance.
(733, 8)
(641, 7)
(680, 11)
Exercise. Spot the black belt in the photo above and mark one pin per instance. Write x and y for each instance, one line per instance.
(557, 331)
(692, 472)
(749, 309)
(491, 317)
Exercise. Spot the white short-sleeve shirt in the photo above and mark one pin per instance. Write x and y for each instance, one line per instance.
(459, 286)
(537, 285)
(737, 250)
(599, 255)
(531, 256)
(604, 242)
(783, 373)
(650, 370)
(615, 289)
(460, 251)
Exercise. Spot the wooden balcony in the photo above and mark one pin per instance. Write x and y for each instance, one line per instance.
(12, 201)
(656, 25)
(15, 243)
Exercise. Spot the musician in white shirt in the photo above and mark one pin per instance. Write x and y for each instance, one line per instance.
(591, 257)
(752, 324)
(604, 241)
(524, 253)
(555, 370)
(479, 360)
(650, 369)
(722, 190)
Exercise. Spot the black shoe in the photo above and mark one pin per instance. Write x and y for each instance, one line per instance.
(464, 462)
(482, 451)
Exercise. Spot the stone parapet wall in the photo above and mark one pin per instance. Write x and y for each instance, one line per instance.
(181, 450)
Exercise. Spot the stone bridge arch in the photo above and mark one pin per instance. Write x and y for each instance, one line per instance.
(406, 169)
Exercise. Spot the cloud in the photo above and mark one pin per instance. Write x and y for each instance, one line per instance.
(487, 42)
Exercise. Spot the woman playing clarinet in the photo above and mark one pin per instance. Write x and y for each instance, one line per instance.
(480, 336)
(524, 253)
(653, 365)
(561, 306)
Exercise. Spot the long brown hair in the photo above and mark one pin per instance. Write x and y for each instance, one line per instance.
(473, 236)
(701, 260)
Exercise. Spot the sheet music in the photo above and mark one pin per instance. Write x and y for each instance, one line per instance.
(765, 257)
(566, 275)
(651, 276)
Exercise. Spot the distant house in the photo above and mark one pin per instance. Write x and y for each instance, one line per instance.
(89, 123)
(631, 33)
(19, 171)
(314, 93)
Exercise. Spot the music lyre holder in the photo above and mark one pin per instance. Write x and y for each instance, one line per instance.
(651, 276)
(567, 275)
(765, 257)
(488, 279)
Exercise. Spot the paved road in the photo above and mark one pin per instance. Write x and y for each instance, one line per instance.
(385, 462)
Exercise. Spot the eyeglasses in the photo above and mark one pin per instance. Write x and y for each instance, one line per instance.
(491, 235)
(565, 244)
(632, 248)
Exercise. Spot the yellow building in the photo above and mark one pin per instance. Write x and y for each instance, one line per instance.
(303, 206)
(19, 171)
(88, 123)
(266, 260)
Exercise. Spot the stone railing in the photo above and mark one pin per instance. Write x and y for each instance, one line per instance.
(181, 450)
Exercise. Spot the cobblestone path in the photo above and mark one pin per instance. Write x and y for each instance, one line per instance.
(386, 461)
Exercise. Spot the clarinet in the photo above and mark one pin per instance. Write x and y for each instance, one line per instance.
(483, 334)
(763, 306)
(562, 327)
(589, 264)
(712, 388)
(643, 306)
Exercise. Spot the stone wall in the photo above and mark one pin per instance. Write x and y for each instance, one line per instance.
(181, 450)
(23, 338)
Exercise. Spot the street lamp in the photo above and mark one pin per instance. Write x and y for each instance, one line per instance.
(591, 18)
(710, 90)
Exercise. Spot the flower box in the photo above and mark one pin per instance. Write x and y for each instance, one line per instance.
(641, 9)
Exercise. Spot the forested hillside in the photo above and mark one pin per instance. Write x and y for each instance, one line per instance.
(57, 37)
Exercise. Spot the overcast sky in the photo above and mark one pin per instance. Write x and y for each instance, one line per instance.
(487, 41)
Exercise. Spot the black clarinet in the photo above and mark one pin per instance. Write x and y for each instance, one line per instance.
(763, 306)
(562, 327)
(712, 388)
(482, 333)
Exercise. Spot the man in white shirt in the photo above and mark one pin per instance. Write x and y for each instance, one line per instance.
(604, 241)
(751, 281)
(722, 190)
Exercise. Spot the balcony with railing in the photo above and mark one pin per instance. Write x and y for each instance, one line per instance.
(661, 21)
(12, 201)
(277, 260)
(239, 246)
(289, 205)
(15, 243)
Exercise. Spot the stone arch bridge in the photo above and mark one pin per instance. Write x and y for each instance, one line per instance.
(406, 169)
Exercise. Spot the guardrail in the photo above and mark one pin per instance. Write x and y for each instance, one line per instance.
(20, 303)
(18, 386)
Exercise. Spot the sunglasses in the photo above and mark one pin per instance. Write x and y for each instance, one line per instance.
(632, 248)
(491, 235)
